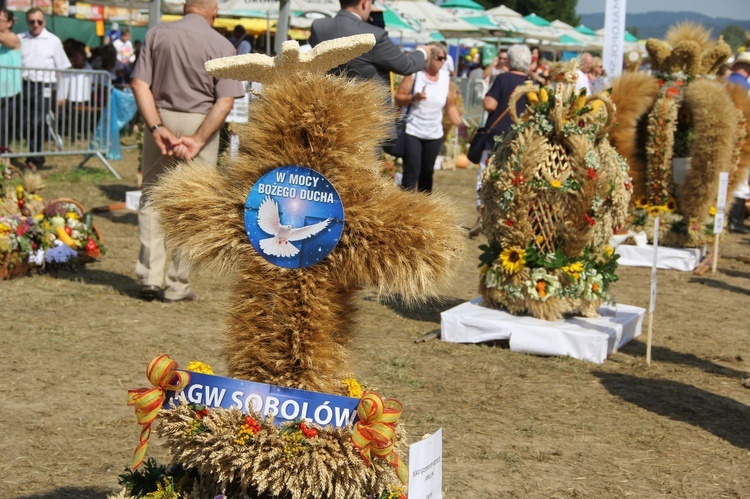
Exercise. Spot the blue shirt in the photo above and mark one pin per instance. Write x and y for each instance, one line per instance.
(10, 79)
(739, 80)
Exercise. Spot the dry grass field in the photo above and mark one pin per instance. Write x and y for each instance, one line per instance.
(514, 425)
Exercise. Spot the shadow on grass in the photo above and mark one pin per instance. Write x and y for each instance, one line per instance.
(116, 192)
(713, 283)
(123, 284)
(722, 416)
(662, 354)
(71, 493)
(428, 311)
(735, 273)
(119, 217)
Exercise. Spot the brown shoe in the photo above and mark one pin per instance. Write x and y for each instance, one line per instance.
(475, 230)
(187, 298)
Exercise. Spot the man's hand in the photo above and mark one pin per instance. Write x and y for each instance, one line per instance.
(165, 140)
(188, 147)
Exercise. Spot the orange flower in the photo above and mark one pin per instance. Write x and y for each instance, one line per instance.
(541, 288)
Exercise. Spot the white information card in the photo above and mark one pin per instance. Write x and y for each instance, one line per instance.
(426, 467)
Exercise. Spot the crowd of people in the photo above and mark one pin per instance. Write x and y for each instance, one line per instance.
(38, 86)
(182, 121)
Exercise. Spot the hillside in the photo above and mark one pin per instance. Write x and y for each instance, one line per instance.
(655, 24)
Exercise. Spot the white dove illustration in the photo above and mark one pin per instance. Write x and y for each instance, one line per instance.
(270, 223)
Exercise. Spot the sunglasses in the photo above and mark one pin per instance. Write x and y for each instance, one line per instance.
(35, 21)
(441, 58)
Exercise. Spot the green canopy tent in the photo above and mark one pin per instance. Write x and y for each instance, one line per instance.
(537, 20)
(585, 30)
(461, 4)
(82, 30)
(630, 38)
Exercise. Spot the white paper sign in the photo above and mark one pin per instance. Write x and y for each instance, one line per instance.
(652, 302)
(614, 37)
(721, 202)
(719, 222)
(426, 468)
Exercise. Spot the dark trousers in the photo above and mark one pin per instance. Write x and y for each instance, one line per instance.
(7, 122)
(419, 163)
(36, 100)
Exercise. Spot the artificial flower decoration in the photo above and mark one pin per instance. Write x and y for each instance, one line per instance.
(37, 234)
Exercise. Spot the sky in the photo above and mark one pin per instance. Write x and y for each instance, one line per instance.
(735, 9)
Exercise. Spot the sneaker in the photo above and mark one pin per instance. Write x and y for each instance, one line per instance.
(187, 298)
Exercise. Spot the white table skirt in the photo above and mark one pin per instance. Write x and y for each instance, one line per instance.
(684, 259)
(578, 337)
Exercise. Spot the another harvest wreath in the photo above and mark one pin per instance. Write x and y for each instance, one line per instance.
(552, 195)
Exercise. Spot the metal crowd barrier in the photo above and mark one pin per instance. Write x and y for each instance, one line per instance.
(46, 112)
(473, 91)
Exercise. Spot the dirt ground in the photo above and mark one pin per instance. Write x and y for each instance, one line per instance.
(514, 425)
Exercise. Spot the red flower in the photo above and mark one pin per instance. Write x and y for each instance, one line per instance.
(93, 251)
(589, 220)
(592, 173)
(672, 92)
(517, 180)
(581, 123)
(509, 223)
(660, 82)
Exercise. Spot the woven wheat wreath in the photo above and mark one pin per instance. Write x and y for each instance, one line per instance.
(552, 195)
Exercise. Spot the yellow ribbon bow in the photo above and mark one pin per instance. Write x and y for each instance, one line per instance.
(375, 432)
(148, 401)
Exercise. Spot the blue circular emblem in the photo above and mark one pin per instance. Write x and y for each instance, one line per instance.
(293, 217)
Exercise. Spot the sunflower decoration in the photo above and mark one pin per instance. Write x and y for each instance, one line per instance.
(512, 259)
(670, 206)
(642, 202)
(552, 194)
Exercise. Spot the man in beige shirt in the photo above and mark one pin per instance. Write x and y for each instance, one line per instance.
(183, 108)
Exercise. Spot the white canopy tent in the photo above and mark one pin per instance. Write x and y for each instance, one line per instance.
(575, 40)
(425, 16)
(518, 26)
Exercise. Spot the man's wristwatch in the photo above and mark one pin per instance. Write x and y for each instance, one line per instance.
(155, 127)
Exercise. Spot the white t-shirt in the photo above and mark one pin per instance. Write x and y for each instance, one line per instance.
(448, 65)
(42, 52)
(125, 51)
(76, 87)
(426, 116)
(583, 82)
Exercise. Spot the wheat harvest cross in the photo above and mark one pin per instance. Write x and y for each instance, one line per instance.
(291, 326)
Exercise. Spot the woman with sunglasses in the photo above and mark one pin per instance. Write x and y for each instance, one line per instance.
(10, 79)
(425, 94)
